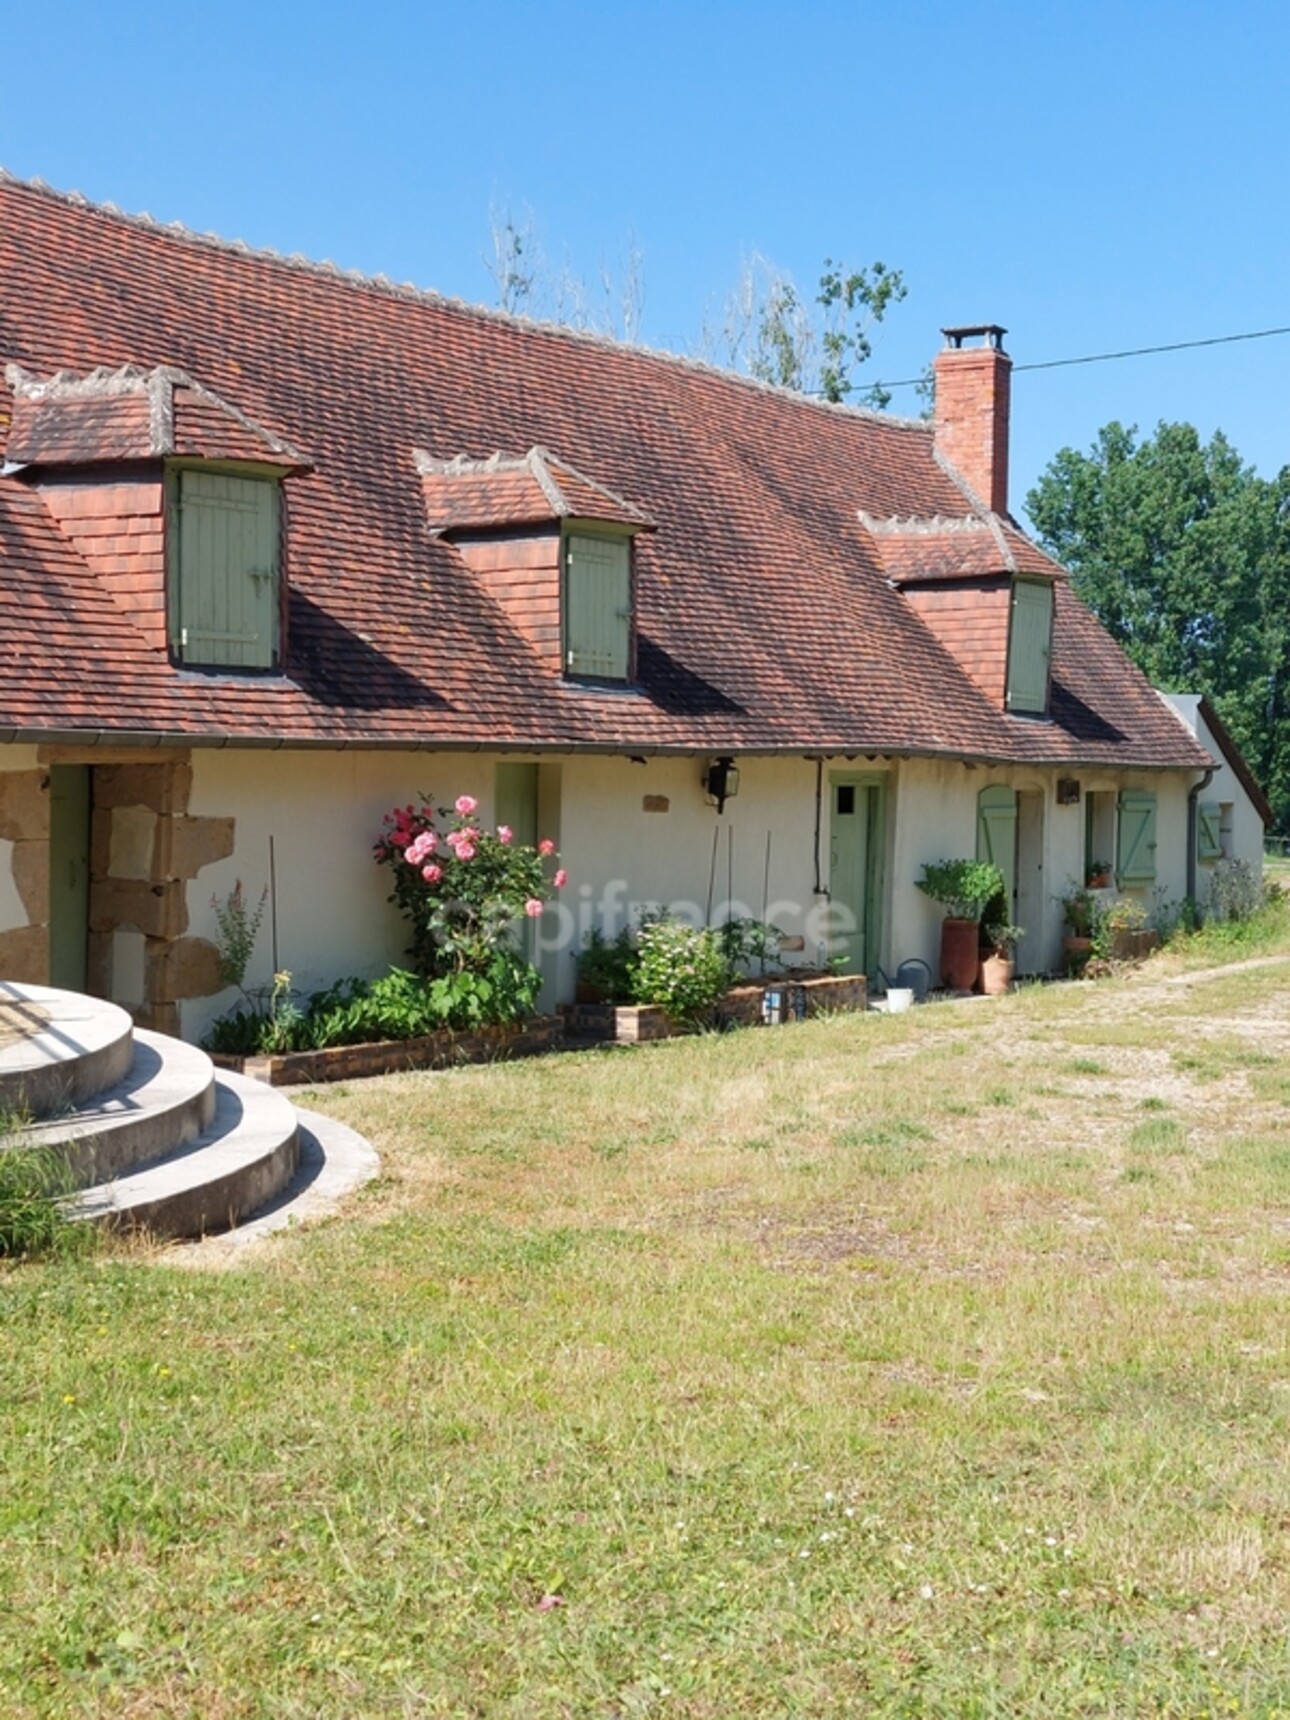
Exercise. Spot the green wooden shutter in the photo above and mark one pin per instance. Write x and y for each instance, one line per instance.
(996, 833)
(225, 591)
(1136, 843)
(597, 607)
(1029, 645)
(1209, 831)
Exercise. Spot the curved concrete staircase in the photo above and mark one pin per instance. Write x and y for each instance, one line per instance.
(156, 1138)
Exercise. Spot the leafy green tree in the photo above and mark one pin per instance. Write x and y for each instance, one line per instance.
(1183, 552)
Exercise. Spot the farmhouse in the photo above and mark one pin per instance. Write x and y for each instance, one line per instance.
(282, 546)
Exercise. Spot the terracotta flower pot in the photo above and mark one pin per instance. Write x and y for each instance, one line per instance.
(996, 974)
(959, 958)
(1076, 952)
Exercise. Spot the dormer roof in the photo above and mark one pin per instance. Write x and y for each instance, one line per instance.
(971, 547)
(132, 413)
(515, 490)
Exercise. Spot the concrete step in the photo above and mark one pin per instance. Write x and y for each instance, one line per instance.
(58, 1048)
(234, 1167)
(166, 1100)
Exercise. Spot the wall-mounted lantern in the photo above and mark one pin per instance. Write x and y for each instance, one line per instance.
(721, 782)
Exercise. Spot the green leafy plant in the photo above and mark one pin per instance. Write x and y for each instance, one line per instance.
(398, 1005)
(33, 1183)
(1003, 938)
(746, 941)
(608, 965)
(962, 887)
(1081, 910)
(681, 968)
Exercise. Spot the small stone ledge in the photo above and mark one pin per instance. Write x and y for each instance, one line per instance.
(388, 1056)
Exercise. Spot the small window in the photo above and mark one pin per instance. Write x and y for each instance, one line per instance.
(846, 800)
(224, 578)
(1030, 636)
(1136, 845)
(597, 607)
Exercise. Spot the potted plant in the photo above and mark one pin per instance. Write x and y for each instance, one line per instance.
(1098, 875)
(1083, 915)
(963, 888)
(999, 964)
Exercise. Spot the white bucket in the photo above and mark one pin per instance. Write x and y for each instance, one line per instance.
(899, 999)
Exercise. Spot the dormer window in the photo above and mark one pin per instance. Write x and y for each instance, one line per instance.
(223, 568)
(597, 606)
(551, 546)
(1030, 638)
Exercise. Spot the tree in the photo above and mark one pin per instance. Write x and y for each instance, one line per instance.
(1183, 552)
(768, 330)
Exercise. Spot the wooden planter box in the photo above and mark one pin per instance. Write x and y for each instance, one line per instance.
(744, 1006)
(386, 1056)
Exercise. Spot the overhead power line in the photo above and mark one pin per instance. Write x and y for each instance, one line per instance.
(1128, 352)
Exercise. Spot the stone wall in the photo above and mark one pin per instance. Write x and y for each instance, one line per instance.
(144, 850)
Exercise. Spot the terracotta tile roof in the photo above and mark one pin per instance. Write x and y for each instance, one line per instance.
(766, 620)
(131, 414)
(519, 490)
(974, 546)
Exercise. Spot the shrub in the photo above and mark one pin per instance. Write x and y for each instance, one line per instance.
(962, 887)
(1234, 892)
(465, 888)
(680, 968)
(609, 964)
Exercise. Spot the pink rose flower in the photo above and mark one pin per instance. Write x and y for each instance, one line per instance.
(561, 879)
(546, 846)
(432, 873)
(532, 907)
(466, 804)
(400, 839)
(422, 848)
(505, 833)
(465, 851)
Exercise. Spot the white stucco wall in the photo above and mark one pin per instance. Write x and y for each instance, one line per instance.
(938, 806)
(1244, 841)
(324, 811)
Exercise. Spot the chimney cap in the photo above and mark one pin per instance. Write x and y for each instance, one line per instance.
(990, 334)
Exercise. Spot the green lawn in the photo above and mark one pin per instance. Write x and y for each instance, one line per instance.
(926, 1366)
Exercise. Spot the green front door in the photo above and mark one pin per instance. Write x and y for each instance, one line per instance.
(69, 874)
(857, 808)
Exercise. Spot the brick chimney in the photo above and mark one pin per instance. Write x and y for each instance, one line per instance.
(973, 396)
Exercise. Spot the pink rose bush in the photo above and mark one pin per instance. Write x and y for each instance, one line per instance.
(464, 888)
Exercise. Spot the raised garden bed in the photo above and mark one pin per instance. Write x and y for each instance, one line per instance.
(386, 1056)
(750, 1005)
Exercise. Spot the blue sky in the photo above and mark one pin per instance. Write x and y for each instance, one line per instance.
(1092, 176)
